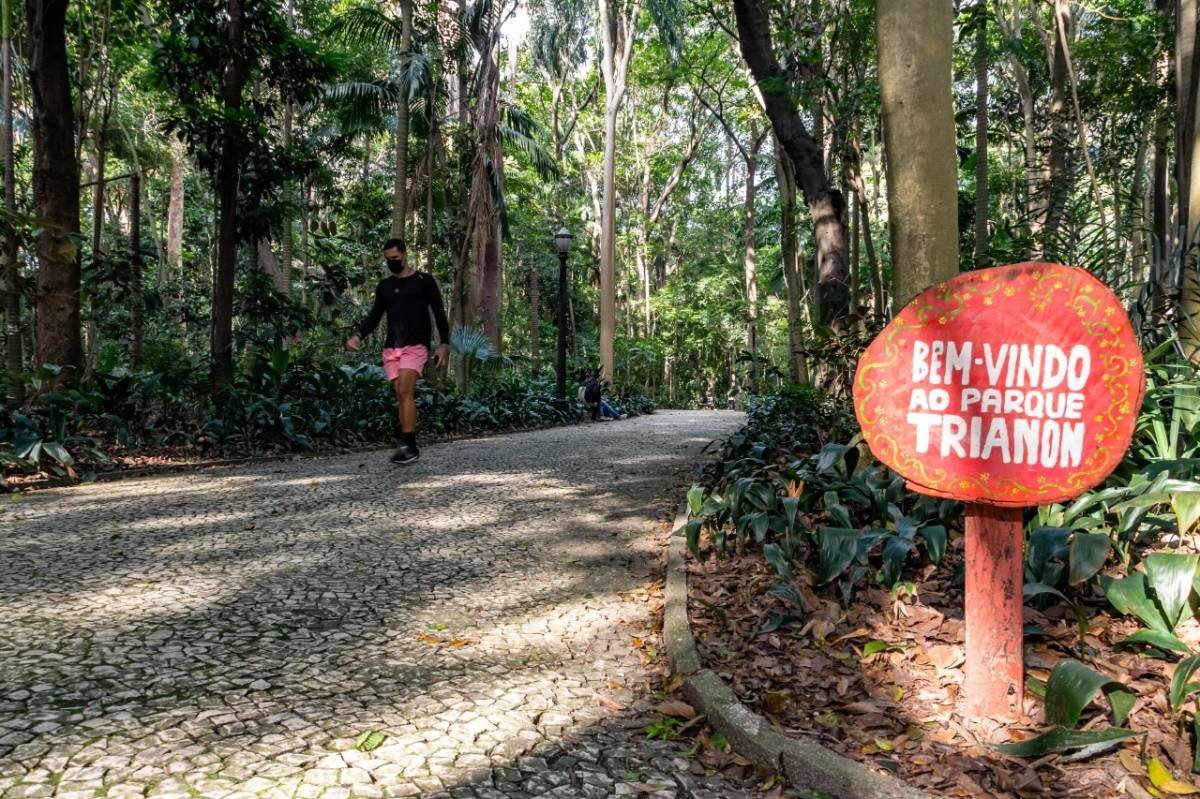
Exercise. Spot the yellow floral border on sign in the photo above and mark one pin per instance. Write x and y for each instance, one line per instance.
(1055, 287)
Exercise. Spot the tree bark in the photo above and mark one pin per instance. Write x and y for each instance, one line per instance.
(229, 175)
(751, 265)
(1058, 184)
(14, 359)
(618, 29)
(535, 320)
(287, 235)
(789, 250)
(981, 134)
(400, 188)
(175, 208)
(55, 189)
(914, 39)
(1186, 65)
(136, 305)
(824, 206)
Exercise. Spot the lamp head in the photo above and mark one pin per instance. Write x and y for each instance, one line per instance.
(562, 241)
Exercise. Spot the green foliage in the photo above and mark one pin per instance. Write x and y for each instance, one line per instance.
(777, 468)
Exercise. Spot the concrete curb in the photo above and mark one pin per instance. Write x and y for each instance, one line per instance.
(806, 764)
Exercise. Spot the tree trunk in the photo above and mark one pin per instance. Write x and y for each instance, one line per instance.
(1058, 186)
(287, 235)
(1187, 66)
(400, 187)
(751, 266)
(618, 29)
(1137, 207)
(914, 39)
(797, 366)
(175, 208)
(55, 189)
(14, 360)
(535, 320)
(981, 134)
(824, 206)
(227, 244)
(608, 300)
(136, 306)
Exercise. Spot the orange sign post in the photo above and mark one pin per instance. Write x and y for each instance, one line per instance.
(1004, 387)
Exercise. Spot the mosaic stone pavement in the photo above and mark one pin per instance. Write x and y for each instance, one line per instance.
(239, 632)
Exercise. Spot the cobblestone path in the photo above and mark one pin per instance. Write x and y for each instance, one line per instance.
(235, 633)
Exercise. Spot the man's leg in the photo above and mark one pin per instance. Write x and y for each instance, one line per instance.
(406, 399)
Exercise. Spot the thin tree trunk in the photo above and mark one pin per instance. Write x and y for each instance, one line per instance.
(14, 360)
(175, 208)
(400, 188)
(981, 134)
(751, 265)
(136, 306)
(1057, 181)
(1137, 207)
(287, 235)
(535, 319)
(797, 366)
(618, 29)
(914, 40)
(1185, 112)
(227, 246)
(55, 190)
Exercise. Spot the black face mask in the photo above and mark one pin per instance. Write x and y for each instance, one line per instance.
(397, 265)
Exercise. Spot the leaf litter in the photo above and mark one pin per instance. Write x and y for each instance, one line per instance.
(880, 683)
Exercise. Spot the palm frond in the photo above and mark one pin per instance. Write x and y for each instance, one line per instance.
(365, 24)
(497, 194)
(539, 157)
(363, 105)
(417, 73)
(668, 17)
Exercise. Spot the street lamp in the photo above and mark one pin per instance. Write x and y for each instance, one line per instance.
(562, 244)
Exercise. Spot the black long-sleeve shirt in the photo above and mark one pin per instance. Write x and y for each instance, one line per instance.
(407, 302)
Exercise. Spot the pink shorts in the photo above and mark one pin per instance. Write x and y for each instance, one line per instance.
(398, 358)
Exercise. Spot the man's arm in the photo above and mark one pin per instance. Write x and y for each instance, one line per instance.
(434, 295)
(369, 322)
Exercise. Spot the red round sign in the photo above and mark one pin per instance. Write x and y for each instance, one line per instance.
(1016, 385)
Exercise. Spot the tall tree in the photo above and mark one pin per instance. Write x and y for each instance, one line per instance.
(400, 189)
(825, 206)
(981, 132)
(618, 31)
(227, 188)
(914, 40)
(55, 189)
(14, 360)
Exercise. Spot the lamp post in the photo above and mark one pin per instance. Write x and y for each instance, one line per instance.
(562, 244)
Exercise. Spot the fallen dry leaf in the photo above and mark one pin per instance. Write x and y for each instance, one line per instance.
(673, 707)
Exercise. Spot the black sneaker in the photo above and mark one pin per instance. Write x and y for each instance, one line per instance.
(405, 453)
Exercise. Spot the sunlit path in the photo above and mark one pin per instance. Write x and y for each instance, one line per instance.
(236, 633)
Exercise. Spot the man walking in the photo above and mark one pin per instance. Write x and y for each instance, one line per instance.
(406, 297)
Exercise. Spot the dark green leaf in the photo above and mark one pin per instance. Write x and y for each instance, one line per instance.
(775, 557)
(1072, 685)
(838, 546)
(1156, 638)
(935, 541)
(1130, 595)
(1063, 740)
(1181, 687)
(1088, 553)
(1170, 575)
